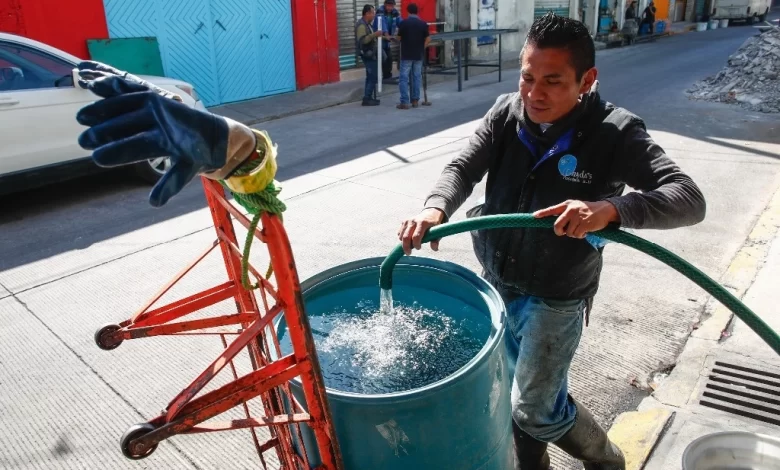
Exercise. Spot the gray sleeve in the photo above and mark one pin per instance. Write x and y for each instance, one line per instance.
(459, 177)
(668, 197)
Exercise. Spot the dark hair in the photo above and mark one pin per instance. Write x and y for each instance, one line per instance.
(412, 8)
(367, 8)
(553, 31)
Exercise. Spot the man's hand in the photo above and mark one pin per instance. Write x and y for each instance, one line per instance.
(413, 230)
(577, 218)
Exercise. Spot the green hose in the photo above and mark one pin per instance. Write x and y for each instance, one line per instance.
(614, 234)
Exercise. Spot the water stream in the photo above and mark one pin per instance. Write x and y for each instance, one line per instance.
(386, 300)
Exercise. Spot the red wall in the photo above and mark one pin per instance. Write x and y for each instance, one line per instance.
(315, 37)
(11, 17)
(65, 25)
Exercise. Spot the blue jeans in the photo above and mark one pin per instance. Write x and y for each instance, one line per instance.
(541, 340)
(415, 67)
(371, 77)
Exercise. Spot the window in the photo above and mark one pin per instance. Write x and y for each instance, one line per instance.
(25, 68)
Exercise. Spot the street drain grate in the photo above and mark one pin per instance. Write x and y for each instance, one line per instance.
(743, 391)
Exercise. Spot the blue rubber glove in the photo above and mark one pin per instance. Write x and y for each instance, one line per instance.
(134, 123)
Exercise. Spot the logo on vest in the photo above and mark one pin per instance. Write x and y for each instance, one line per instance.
(567, 167)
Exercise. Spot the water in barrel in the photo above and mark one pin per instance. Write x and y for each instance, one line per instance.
(369, 345)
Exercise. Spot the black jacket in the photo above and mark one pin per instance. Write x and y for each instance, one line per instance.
(593, 154)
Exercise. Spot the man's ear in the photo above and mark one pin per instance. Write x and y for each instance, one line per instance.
(588, 79)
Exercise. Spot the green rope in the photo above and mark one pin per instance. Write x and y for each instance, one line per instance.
(265, 201)
(614, 234)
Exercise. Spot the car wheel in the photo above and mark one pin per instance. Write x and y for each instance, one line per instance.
(152, 170)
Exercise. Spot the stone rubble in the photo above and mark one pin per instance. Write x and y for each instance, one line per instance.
(751, 77)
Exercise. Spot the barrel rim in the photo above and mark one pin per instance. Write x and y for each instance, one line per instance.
(486, 291)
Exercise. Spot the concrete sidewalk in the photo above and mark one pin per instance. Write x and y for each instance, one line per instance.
(350, 90)
(727, 378)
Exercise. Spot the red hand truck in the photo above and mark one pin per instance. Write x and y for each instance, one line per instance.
(253, 323)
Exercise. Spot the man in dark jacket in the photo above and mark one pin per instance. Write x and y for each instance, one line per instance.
(556, 149)
(391, 20)
(648, 17)
(365, 42)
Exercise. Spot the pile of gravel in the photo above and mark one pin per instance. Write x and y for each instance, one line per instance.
(751, 77)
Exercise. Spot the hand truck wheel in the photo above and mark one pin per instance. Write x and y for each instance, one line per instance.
(104, 340)
(137, 451)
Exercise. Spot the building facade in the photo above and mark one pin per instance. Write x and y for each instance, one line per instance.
(231, 50)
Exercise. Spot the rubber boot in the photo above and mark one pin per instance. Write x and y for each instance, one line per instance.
(588, 442)
(530, 454)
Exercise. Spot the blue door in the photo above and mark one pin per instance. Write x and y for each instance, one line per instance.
(187, 46)
(236, 52)
(273, 20)
(231, 50)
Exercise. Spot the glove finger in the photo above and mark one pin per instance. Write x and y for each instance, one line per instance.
(136, 148)
(109, 108)
(89, 74)
(98, 66)
(118, 128)
(109, 86)
(172, 182)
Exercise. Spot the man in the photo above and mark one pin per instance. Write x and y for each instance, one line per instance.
(648, 17)
(631, 11)
(366, 45)
(556, 149)
(630, 25)
(414, 39)
(391, 20)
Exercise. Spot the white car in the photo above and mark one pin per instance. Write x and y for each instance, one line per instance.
(39, 99)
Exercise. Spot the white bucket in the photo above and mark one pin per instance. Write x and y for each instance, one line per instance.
(713, 24)
(724, 23)
(732, 451)
(701, 26)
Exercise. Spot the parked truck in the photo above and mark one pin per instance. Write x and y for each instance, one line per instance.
(751, 11)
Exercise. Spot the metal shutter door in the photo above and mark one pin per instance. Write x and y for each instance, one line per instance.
(559, 7)
(347, 13)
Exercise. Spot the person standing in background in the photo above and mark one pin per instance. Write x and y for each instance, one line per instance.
(391, 20)
(648, 16)
(365, 42)
(630, 25)
(415, 37)
(631, 11)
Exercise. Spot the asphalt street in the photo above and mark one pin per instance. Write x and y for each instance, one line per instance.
(91, 251)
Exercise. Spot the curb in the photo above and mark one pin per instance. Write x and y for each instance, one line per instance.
(637, 432)
(310, 109)
(676, 390)
(743, 269)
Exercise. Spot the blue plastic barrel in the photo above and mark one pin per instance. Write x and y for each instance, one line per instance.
(461, 422)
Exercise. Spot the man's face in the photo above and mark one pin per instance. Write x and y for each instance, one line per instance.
(370, 16)
(549, 85)
(389, 7)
